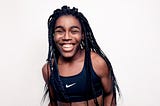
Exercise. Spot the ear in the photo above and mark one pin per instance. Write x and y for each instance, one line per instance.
(82, 36)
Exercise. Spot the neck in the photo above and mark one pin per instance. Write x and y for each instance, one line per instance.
(80, 55)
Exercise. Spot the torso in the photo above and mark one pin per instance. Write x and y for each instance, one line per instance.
(75, 83)
(78, 86)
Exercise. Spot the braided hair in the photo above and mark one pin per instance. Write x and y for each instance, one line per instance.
(89, 44)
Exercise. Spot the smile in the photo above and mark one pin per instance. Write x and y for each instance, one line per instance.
(67, 47)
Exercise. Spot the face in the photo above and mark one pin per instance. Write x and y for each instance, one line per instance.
(68, 35)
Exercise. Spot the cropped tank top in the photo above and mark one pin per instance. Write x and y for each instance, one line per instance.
(78, 87)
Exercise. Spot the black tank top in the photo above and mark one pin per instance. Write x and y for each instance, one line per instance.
(78, 87)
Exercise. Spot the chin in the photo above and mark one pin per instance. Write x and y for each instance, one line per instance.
(67, 55)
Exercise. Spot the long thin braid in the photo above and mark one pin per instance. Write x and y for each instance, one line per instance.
(58, 85)
(95, 47)
(88, 63)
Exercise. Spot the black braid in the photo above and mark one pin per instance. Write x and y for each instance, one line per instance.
(88, 60)
(95, 47)
(89, 44)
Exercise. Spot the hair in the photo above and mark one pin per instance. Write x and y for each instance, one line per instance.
(89, 44)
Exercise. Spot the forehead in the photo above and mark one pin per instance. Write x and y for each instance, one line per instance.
(67, 20)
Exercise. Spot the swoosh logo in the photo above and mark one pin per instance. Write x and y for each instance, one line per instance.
(67, 86)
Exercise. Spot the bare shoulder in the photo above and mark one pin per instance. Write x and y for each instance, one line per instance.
(99, 64)
(46, 72)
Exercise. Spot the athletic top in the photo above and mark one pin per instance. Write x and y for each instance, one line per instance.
(78, 87)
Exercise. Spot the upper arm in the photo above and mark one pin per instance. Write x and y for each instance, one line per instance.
(46, 72)
(46, 75)
(102, 70)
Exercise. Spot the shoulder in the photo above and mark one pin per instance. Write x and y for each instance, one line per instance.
(99, 65)
(46, 72)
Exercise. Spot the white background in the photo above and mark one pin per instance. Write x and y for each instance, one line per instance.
(128, 31)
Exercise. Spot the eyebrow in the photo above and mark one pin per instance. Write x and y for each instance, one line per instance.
(63, 27)
(75, 27)
(58, 27)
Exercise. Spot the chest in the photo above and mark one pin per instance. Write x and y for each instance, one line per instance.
(76, 84)
(70, 69)
(78, 87)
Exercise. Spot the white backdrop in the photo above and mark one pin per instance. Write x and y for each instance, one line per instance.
(127, 30)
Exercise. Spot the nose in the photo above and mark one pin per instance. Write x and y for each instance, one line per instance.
(66, 36)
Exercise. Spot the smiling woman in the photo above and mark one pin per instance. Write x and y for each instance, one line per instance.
(77, 72)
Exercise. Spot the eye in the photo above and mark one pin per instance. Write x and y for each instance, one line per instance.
(59, 31)
(75, 31)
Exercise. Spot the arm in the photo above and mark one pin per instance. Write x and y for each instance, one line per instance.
(108, 91)
(46, 74)
(102, 71)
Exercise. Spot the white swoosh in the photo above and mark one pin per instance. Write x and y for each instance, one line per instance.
(67, 86)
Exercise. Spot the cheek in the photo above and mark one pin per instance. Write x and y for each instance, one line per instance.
(79, 37)
(55, 38)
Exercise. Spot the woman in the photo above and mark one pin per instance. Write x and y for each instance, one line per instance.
(77, 72)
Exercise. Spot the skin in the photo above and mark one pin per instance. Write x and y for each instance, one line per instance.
(68, 35)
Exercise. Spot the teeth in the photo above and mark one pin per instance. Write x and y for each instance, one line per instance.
(67, 45)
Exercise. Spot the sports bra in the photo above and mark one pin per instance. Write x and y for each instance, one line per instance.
(78, 87)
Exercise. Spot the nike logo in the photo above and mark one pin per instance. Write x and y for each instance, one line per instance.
(67, 86)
